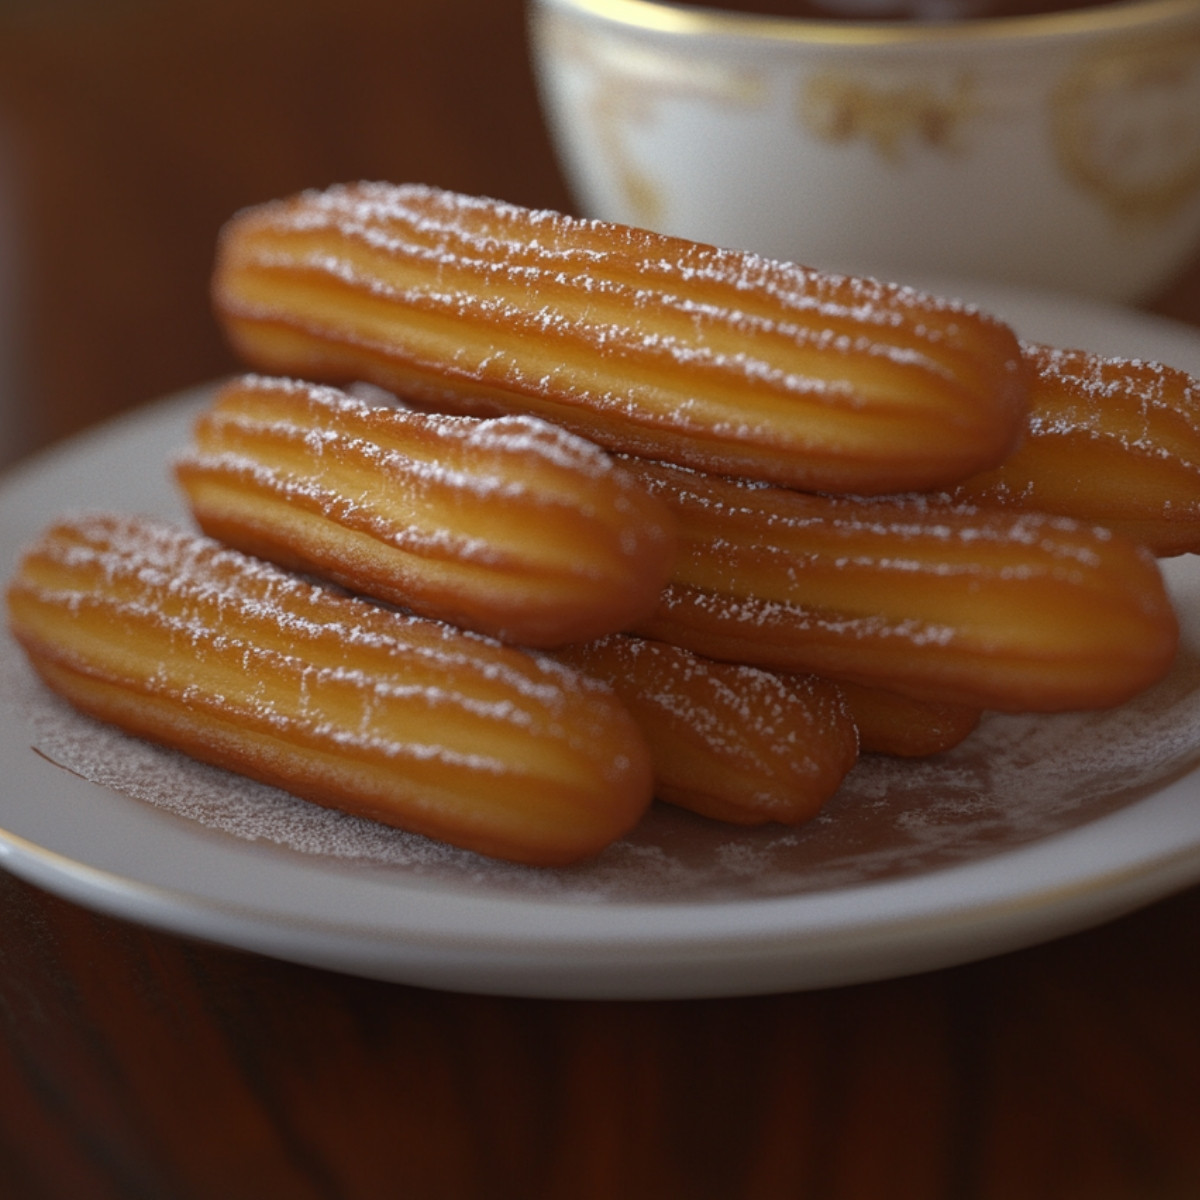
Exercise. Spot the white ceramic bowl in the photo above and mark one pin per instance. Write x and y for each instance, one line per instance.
(1058, 151)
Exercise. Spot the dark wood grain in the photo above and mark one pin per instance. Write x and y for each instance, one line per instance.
(139, 1064)
(135, 1065)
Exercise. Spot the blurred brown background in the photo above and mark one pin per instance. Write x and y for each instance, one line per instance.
(131, 129)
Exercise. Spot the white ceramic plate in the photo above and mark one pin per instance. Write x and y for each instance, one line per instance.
(1037, 827)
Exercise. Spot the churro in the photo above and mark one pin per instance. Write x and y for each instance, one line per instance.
(1115, 441)
(395, 718)
(647, 344)
(728, 741)
(983, 608)
(506, 526)
(889, 723)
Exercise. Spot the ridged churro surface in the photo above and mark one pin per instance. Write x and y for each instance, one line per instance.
(506, 526)
(985, 608)
(400, 719)
(647, 344)
(1114, 441)
(728, 741)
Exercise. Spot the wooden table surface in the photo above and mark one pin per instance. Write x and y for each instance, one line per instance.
(135, 1064)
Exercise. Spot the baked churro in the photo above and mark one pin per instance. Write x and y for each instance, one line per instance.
(889, 723)
(653, 345)
(728, 741)
(1114, 441)
(983, 608)
(507, 526)
(399, 719)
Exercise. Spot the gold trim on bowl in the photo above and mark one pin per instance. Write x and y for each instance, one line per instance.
(682, 20)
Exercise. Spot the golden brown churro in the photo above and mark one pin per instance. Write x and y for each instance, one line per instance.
(987, 609)
(400, 719)
(728, 741)
(889, 723)
(1114, 441)
(652, 345)
(510, 526)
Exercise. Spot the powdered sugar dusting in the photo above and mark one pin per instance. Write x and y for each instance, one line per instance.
(450, 226)
(741, 355)
(1018, 779)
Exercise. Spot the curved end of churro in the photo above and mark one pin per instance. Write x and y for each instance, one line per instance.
(1112, 441)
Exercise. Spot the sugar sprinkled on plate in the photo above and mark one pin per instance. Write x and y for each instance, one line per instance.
(1016, 780)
